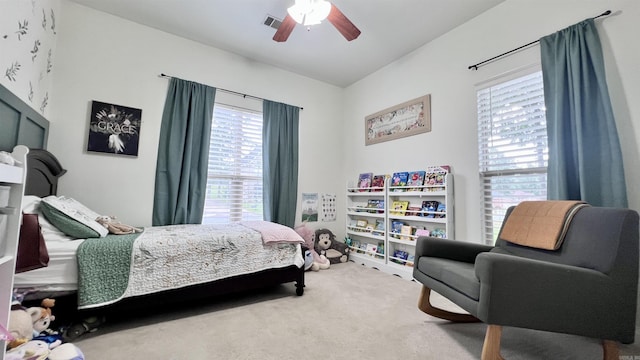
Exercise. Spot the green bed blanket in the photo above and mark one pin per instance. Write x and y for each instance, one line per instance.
(104, 265)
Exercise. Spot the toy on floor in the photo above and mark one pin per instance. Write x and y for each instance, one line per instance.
(326, 244)
(25, 324)
(66, 351)
(319, 262)
(33, 349)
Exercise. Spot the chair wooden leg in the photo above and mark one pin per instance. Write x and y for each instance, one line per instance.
(491, 347)
(610, 350)
(425, 306)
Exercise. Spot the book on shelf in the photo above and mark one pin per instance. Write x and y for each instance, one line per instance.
(429, 207)
(416, 178)
(380, 250)
(364, 181)
(413, 210)
(439, 233)
(361, 224)
(399, 207)
(379, 229)
(435, 177)
(410, 259)
(405, 232)
(375, 206)
(377, 183)
(399, 179)
(396, 226)
(400, 255)
(422, 232)
(371, 249)
(441, 210)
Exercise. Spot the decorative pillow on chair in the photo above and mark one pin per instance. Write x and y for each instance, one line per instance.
(72, 217)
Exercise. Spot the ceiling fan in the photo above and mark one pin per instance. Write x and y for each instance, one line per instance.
(312, 12)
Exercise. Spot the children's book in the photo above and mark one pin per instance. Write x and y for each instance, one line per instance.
(396, 226)
(361, 224)
(379, 229)
(380, 250)
(405, 232)
(364, 181)
(441, 210)
(375, 206)
(413, 210)
(371, 249)
(399, 208)
(429, 207)
(377, 183)
(416, 178)
(422, 232)
(435, 177)
(399, 179)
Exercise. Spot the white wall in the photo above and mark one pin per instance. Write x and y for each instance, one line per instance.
(440, 69)
(106, 58)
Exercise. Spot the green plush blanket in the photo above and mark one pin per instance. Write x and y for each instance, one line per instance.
(103, 269)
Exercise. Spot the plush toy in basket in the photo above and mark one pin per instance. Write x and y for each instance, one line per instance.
(326, 245)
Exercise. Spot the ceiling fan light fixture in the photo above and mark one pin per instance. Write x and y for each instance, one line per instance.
(309, 12)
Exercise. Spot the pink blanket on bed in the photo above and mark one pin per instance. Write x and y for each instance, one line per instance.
(273, 233)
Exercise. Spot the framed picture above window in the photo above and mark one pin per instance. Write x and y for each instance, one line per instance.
(114, 129)
(409, 118)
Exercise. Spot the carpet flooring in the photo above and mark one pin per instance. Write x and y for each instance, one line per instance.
(347, 312)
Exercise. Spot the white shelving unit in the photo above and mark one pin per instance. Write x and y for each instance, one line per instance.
(440, 223)
(12, 178)
(364, 224)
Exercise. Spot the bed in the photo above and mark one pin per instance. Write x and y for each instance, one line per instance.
(160, 261)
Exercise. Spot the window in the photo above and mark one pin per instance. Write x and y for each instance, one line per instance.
(234, 182)
(513, 153)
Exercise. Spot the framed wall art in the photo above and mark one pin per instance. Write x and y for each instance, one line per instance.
(409, 118)
(114, 129)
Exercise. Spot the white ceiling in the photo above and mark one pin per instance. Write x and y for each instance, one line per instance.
(390, 29)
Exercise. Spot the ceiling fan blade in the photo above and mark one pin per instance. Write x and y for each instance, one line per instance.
(285, 29)
(344, 25)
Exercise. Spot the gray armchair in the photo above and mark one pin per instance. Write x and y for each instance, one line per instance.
(587, 287)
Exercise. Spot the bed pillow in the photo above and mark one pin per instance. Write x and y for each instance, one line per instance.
(31, 205)
(72, 218)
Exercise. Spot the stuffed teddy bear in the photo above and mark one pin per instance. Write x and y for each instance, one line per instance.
(116, 227)
(25, 324)
(326, 244)
(319, 262)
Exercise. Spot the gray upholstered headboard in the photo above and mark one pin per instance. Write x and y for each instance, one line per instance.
(20, 124)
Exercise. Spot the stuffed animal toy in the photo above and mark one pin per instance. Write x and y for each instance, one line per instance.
(33, 349)
(26, 324)
(319, 262)
(66, 351)
(326, 244)
(116, 227)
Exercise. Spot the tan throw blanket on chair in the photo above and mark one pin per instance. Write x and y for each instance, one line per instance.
(540, 224)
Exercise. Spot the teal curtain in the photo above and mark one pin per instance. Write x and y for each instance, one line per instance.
(585, 160)
(280, 162)
(183, 153)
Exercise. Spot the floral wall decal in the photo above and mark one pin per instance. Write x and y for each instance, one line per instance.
(23, 28)
(27, 50)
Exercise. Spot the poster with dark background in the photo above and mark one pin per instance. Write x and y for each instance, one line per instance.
(114, 129)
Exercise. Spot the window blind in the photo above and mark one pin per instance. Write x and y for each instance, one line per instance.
(234, 181)
(513, 152)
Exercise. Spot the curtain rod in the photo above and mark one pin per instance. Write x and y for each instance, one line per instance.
(230, 91)
(475, 67)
